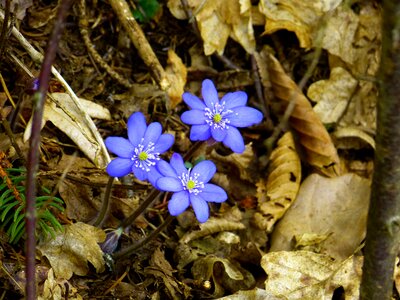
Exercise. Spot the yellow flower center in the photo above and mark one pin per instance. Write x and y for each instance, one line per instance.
(143, 155)
(217, 118)
(190, 184)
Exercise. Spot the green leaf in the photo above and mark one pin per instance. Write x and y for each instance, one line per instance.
(146, 10)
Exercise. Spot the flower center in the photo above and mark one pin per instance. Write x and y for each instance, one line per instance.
(217, 116)
(191, 183)
(144, 156)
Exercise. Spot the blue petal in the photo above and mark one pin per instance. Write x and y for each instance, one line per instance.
(193, 102)
(213, 193)
(165, 142)
(153, 175)
(200, 132)
(206, 170)
(120, 146)
(119, 167)
(193, 117)
(136, 128)
(153, 133)
(244, 116)
(169, 184)
(139, 173)
(179, 203)
(200, 208)
(218, 133)
(209, 93)
(234, 99)
(165, 169)
(234, 140)
(178, 164)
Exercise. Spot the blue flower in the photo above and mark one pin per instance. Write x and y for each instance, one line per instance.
(141, 151)
(219, 119)
(189, 186)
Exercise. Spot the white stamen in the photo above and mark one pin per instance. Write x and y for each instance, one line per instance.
(151, 156)
(198, 185)
(218, 109)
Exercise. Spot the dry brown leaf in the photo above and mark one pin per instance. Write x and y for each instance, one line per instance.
(176, 74)
(254, 294)
(71, 250)
(224, 274)
(230, 222)
(326, 207)
(161, 268)
(319, 149)
(332, 95)
(301, 17)
(242, 161)
(54, 289)
(282, 184)
(63, 113)
(308, 275)
(218, 20)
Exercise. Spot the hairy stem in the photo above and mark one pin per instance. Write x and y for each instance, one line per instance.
(383, 228)
(33, 155)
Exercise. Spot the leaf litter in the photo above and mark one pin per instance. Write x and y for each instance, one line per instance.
(284, 232)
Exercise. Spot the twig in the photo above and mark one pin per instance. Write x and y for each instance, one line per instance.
(130, 249)
(33, 155)
(83, 26)
(4, 28)
(103, 156)
(135, 33)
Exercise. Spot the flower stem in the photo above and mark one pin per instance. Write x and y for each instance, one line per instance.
(130, 249)
(33, 155)
(105, 206)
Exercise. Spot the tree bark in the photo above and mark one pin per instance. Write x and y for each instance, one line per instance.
(383, 228)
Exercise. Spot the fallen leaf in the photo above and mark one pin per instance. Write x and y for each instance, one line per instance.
(224, 274)
(332, 95)
(308, 275)
(243, 162)
(176, 74)
(319, 149)
(219, 19)
(64, 114)
(326, 206)
(161, 268)
(71, 250)
(300, 17)
(282, 185)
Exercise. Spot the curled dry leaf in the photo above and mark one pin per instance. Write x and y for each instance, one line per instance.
(282, 185)
(176, 73)
(326, 207)
(319, 149)
(218, 20)
(213, 225)
(223, 273)
(70, 251)
(332, 95)
(301, 17)
(308, 275)
(64, 114)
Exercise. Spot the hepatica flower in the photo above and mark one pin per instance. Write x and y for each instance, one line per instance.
(219, 118)
(190, 186)
(141, 151)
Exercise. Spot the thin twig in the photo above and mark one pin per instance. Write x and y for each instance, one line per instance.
(83, 27)
(33, 155)
(103, 156)
(4, 28)
(137, 37)
(130, 249)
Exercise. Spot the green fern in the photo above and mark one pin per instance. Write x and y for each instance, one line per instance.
(13, 202)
